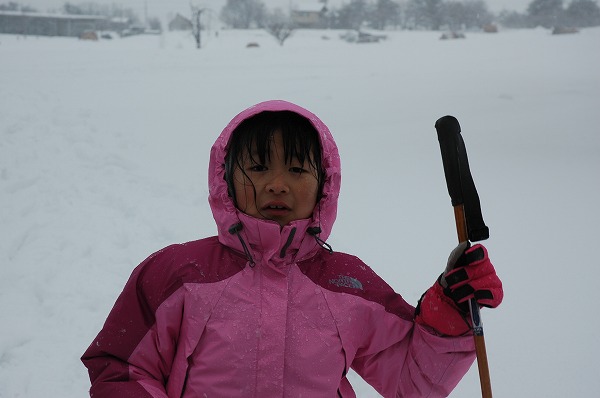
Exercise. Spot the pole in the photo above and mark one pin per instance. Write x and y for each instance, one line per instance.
(480, 350)
(469, 222)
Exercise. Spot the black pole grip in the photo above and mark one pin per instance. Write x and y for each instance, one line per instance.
(458, 176)
(448, 131)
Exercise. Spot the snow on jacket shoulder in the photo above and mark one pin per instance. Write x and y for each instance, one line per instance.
(264, 311)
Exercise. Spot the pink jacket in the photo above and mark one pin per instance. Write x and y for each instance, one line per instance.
(262, 312)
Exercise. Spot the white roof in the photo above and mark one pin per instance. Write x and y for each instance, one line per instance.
(50, 15)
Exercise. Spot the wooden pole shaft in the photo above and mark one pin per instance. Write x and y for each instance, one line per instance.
(482, 361)
(482, 365)
(461, 223)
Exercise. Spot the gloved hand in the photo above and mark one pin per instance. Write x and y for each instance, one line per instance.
(469, 274)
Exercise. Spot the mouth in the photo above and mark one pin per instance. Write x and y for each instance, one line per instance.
(276, 208)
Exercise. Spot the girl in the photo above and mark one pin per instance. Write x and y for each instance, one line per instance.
(267, 308)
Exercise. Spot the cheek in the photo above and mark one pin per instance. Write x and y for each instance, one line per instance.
(310, 192)
(314, 192)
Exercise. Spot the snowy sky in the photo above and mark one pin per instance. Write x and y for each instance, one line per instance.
(161, 8)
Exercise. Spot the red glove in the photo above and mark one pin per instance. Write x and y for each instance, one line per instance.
(469, 274)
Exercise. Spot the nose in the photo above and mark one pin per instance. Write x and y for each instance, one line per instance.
(278, 184)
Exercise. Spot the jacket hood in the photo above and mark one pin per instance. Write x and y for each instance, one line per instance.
(227, 215)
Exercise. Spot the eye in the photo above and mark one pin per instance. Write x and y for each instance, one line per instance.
(297, 170)
(257, 167)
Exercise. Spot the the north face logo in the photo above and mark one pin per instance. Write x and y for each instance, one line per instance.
(346, 281)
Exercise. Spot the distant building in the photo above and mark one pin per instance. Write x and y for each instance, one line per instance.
(180, 23)
(119, 24)
(42, 24)
(309, 15)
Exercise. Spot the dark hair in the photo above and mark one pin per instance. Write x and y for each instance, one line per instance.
(300, 141)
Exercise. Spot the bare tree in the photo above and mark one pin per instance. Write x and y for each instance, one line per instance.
(280, 31)
(465, 15)
(196, 26)
(546, 13)
(243, 14)
(353, 14)
(425, 13)
(583, 13)
(384, 13)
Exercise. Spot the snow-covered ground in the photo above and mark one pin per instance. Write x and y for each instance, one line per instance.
(103, 158)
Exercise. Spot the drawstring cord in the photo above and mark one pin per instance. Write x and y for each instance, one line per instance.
(235, 230)
(315, 231)
(288, 242)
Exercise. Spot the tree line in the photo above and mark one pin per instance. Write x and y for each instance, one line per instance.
(422, 14)
(554, 13)
(377, 14)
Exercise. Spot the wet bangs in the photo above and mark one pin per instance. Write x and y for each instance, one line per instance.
(254, 137)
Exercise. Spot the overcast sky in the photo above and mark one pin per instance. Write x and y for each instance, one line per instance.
(161, 8)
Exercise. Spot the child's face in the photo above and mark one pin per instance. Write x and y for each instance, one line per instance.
(284, 191)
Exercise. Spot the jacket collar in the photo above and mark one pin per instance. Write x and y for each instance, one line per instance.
(266, 242)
